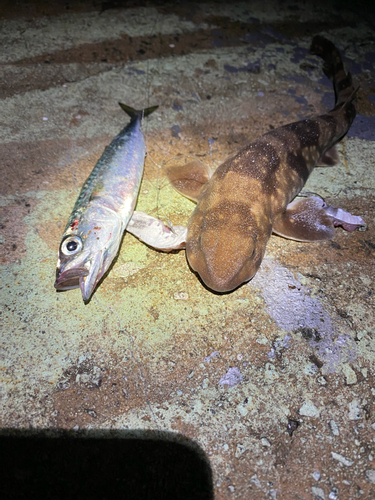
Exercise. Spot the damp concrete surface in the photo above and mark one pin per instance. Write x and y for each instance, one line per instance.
(274, 381)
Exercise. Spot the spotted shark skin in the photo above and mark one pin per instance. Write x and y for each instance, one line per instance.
(252, 193)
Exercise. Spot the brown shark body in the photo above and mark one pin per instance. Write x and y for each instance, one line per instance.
(249, 196)
(252, 193)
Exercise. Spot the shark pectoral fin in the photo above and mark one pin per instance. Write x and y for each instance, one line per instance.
(189, 179)
(304, 220)
(156, 234)
(330, 158)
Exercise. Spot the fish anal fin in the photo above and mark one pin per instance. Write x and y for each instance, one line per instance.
(304, 220)
(329, 158)
(189, 179)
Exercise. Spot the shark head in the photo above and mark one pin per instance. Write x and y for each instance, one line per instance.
(225, 246)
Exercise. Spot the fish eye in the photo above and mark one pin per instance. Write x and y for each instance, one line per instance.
(71, 245)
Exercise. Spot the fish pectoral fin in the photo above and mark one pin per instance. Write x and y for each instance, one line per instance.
(344, 219)
(154, 233)
(305, 219)
(329, 158)
(189, 179)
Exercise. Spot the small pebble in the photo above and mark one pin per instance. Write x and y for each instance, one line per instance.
(350, 375)
(254, 479)
(334, 428)
(354, 410)
(308, 409)
(232, 377)
(333, 494)
(240, 450)
(316, 475)
(45, 118)
(292, 426)
(310, 369)
(342, 459)
(321, 380)
(370, 476)
(318, 493)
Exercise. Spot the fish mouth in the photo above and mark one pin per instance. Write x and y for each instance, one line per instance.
(70, 278)
(84, 277)
(88, 282)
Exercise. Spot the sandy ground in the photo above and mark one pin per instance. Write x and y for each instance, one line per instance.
(153, 348)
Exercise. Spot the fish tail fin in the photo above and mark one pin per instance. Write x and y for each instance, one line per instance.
(135, 113)
(334, 69)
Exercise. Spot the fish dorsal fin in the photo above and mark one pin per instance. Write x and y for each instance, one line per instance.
(189, 179)
(329, 158)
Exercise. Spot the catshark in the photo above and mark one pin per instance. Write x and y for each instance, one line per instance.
(253, 193)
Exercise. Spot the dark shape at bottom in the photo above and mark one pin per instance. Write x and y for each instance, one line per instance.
(103, 468)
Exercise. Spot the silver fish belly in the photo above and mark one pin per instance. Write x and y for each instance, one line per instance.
(92, 237)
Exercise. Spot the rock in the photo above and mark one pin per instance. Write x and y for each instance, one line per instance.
(316, 475)
(318, 493)
(334, 428)
(342, 459)
(308, 409)
(232, 377)
(351, 377)
(355, 412)
(310, 369)
(370, 475)
(270, 373)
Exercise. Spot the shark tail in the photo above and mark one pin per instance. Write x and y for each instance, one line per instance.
(333, 68)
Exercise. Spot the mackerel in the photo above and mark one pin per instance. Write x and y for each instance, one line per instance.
(94, 231)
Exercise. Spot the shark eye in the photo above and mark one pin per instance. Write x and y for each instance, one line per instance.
(71, 245)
